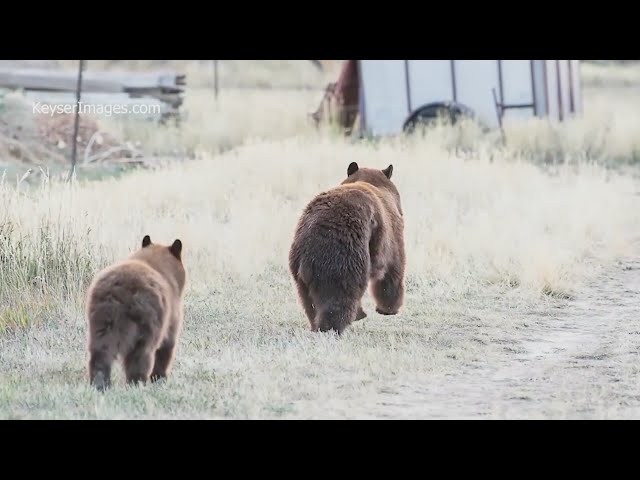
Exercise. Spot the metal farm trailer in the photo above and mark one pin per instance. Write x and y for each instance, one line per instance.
(390, 96)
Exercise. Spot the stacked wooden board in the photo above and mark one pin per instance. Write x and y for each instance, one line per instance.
(54, 86)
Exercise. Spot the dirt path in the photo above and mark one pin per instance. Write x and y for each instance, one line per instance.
(578, 361)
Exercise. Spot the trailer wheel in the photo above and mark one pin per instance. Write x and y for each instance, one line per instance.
(428, 114)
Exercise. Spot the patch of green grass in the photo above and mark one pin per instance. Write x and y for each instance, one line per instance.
(12, 319)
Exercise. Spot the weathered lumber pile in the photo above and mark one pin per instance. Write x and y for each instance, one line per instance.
(55, 86)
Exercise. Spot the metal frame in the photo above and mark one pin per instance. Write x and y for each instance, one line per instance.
(406, 79)
(454, 88)
(571, 99)
(501, 105)
(560, 104)
(533, 89)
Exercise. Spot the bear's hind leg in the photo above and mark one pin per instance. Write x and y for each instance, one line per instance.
(101, 357)
(389, 292)
(164, 356)
(305, 299)
(338, 304)
(163, 359)
(144, 334)
(138, 363)
(337, 307)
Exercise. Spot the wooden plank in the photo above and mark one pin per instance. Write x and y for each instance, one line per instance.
(143, 79)
(40, 79)
(159, 93)
(33, 79)
(155, 90)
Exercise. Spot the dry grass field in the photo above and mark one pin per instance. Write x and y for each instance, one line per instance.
(522, 282)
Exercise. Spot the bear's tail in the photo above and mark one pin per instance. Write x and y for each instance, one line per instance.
(335, 315)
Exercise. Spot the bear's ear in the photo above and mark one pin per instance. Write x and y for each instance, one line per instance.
(176, 249)
(146, 241)
(388, 171)
(353, 168)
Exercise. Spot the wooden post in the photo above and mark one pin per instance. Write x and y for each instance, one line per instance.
(76, 120)
(215, 79)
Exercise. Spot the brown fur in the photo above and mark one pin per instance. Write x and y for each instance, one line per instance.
(347, 238)
(134, 312)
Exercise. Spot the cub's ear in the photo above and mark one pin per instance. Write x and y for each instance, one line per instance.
(388, 171)
(176, 249)
(353, 168)
(146, 241)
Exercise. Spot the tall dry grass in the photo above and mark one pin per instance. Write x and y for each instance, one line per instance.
(610, 74)
(474, 217)
(210, 125)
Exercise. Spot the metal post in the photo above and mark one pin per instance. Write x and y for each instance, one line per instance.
(77, 120)
(499, 112)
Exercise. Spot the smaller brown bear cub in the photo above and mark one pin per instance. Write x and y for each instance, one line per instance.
(134, 312)
(347, 237)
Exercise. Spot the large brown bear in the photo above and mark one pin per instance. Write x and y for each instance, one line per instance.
(134, 312)
(347, 237)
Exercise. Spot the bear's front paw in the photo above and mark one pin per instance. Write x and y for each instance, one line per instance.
(386, 312)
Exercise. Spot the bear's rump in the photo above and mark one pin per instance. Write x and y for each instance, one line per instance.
(335, 255)
(130, 295)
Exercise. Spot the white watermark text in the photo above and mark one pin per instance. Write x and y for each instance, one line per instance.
(40, 108)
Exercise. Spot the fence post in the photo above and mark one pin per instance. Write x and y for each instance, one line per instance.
(76, 120)
(215, 79)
